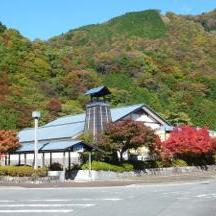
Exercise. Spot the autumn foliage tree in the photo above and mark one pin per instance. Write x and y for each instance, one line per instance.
(54, 106)
(187, 143)
(8, 141)
(128, 134)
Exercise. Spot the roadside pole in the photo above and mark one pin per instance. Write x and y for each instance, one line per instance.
(36, 115)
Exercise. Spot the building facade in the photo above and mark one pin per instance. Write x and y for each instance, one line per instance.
(58, 140)
(60, 137)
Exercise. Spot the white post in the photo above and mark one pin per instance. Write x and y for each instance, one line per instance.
(36, 144)
(43, 159)
(90, 165)
(36, 115)
(64, 165)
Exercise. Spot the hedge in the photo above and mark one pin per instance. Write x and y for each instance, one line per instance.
(97, 165)
(22, 171)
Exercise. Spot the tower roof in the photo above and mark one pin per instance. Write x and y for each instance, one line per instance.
(98, 91)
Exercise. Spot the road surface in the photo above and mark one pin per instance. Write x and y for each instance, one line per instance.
(173, 199)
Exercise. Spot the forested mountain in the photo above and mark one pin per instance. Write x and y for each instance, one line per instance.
(167, 62)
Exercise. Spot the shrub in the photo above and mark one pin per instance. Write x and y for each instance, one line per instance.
(162, 163)
(22, 171)
(75, 167)
(56, 167)
(159, 164)
(179, 163)
(140, 165)
(97, 165)
(214, 158)
(96, 156)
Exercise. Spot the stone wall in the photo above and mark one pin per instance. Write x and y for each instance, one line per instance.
(86, 175)
(28, 180)
(108, 175)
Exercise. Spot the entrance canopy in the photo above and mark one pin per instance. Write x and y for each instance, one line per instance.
(56, 146)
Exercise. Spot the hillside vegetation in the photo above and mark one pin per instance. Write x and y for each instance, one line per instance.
(167, 62)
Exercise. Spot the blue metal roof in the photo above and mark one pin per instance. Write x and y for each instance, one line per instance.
(71, 126)
(95, 90)
(67, 120)
(60, 145)
(118, 113)
(29, 147)
(54, 132)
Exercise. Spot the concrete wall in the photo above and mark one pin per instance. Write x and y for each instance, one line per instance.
(108, 175)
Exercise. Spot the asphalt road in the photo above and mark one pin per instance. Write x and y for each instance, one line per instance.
(173, 199)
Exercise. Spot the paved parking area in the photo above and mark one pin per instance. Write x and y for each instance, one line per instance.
(174, 199)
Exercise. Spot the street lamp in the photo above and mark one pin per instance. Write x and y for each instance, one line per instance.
(36, 115)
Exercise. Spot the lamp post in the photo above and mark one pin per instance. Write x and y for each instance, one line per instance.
(36, 115)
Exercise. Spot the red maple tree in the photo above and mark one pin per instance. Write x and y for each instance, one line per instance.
(8, 141)
(128, 134)
(186, 140)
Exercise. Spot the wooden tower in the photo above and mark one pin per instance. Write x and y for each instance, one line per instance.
(97, 111)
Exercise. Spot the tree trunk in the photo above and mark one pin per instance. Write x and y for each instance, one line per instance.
(121, 156)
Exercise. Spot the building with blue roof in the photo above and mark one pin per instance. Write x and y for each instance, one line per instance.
(72, 126)
(61, 135)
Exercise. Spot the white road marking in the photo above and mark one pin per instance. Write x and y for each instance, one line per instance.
(37, 211)
(48, 200)
(99, 199)
(112, 199)
(201, 195)
(207, 196)
(176, 192)
(46, 205)
(65, 200)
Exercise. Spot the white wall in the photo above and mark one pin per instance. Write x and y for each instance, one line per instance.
(147, 120)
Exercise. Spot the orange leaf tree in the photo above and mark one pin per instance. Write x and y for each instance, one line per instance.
(8, 141)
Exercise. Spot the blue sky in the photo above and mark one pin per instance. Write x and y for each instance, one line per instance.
(46, 18)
